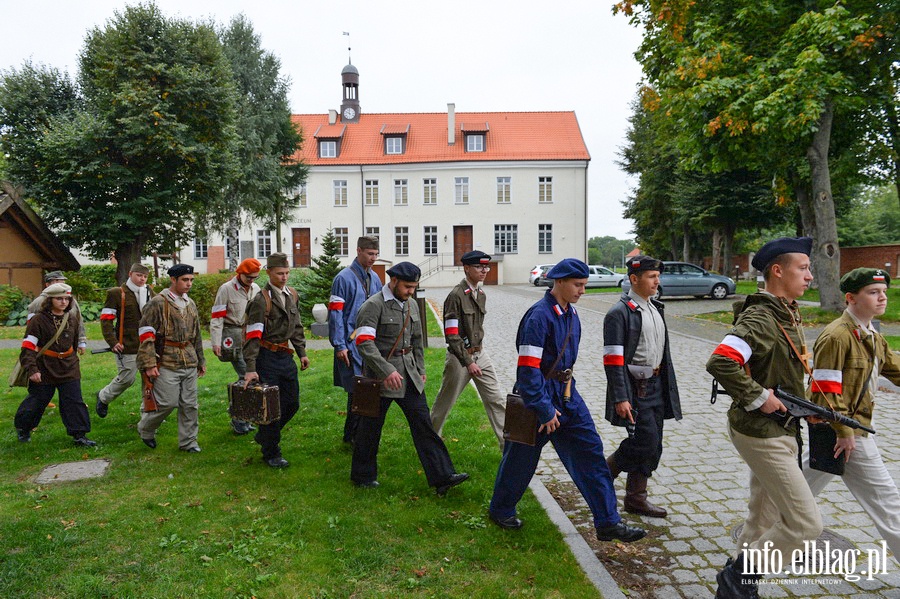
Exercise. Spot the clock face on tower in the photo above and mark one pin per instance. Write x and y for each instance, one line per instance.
(349, 113)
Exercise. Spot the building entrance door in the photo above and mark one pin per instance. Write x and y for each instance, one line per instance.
(302, 248)
(462, 242)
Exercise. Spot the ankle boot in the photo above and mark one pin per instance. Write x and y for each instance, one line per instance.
(636, 497)
(614, 469)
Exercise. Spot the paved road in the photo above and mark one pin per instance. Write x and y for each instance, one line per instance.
(702, 480)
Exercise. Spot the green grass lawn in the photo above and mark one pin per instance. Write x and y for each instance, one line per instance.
(166, 524)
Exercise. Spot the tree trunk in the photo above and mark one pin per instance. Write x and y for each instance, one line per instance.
(727, 258)
(232, 243)
(716, 250)
(826, 254)
(893, 124)
(279, 218)
(126, 255)
(686, 243)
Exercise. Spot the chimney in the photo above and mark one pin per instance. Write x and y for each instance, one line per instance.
(451, 124)
(332, 116)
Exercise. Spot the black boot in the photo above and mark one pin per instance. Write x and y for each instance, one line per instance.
(734, 584)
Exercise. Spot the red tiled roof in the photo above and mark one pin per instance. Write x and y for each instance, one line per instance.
(327, 131)
(512, 136)
(395, 129)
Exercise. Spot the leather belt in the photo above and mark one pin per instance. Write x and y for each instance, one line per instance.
(563, 376)
(56, 354)
(276, 347)
(178, 344)
(473, 350)
(400, 352)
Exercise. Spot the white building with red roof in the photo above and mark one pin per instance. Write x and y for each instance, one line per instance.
(433, 186)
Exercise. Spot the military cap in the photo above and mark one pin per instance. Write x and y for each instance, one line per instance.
(367, 242)
(55, 275)
(179, 270)
(405, 271)
(641, 263)
(569, 268)
(475, 257)
(777, 247)
(58, 290)
(858, 278)
(277, 260)
(138, 267)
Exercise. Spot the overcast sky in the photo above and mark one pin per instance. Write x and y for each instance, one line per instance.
(412, 56)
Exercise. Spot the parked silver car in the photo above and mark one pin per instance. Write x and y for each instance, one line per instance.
(682, 278)
(598, 276)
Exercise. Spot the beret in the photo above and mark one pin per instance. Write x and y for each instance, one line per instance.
(475, 257)
(248, 265)
(777, 247)
(405, 271)
(277, 260)
(58, 290)
(179, 270)
(54, 275)
(367, 242)
(858, 278)
(641, 263)
(138, 267)
(569, 268)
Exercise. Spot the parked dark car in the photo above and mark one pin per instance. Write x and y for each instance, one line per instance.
(683, 278)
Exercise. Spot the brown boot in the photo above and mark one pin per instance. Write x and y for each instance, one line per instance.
(613, 467)
(636, 497)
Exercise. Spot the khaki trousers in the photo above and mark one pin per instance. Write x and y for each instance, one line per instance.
(782, 509)
(174, 389)
(127, 365)
(455, 379)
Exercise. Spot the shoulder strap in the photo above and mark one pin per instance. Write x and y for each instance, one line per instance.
(62, 327)
(802, 360)
(122, 316)
(268, 297)
(362, 282)
(561, 351)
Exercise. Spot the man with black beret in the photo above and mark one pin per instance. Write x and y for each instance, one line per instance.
(547, 341)
(388, 336)
(467, 359)
(641, 390)
(849, 356)
(171, 355)
(766, 348)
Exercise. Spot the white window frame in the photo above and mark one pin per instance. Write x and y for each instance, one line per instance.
(339, 187)
(401, 192)
(301, 196)
(545, 190)
(506, 239)
(462, 190)
(393, 145)
(475, 142)
(201, 248)
(374, 232)
(429, 191)
(430, 239)
(545, 238)
(504, 190)
(263, 243)
(371, 192)
(327, 149)
(342, 235)
(401, 241)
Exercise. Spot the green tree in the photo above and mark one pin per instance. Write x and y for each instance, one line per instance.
(316, 286)
(608, 250)
(264, 187)
(873, 219)
(139, 164)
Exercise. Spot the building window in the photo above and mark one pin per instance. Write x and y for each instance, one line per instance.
(393, 145)
(340, 193)
(300, 194)
(401, 192)
(475, 143)
(429, 192)
(545, 190)
(401, 241)
(342, 235)
(327, 149)
(371, 192)
(462, 190)
(506, 239)
(431, 241)
(503, 190)
(263, 243)
(545, 239)
(374, 232)
(201, 251)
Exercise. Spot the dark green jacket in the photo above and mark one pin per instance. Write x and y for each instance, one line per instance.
(464, 312)
(282, 325)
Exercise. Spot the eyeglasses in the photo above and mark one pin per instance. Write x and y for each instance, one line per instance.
(480, 267)
(252, 277)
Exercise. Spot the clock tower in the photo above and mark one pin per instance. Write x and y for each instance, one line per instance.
(350, 103)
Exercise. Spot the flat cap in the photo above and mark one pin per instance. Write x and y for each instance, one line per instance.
(641, 263)
(858, 278)
(58, 290)
(405, 271)
(475, 257)
(569, 268)
(179, 270)
(138, 267)
(777, 247)
(277, 260)
(367, 242)
(54, 275)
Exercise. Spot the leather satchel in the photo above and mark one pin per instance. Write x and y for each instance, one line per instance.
(821, 449)
(366, 397)
(520, 423)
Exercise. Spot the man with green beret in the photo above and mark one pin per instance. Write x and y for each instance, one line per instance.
(849, 356)
(120, 320)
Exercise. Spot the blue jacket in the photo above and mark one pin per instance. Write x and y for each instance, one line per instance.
(347, 295)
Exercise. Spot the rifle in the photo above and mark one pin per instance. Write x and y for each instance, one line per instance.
(100, 351)
(149, 398)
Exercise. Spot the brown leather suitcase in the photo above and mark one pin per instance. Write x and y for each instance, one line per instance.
(257, 403)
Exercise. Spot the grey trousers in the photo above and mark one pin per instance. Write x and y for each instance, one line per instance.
(174, 389)
(127, 365)
(455, 379)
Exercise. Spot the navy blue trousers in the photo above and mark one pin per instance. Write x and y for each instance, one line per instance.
(641, 452)
(581, 450)
(72, 409)
(277, 368)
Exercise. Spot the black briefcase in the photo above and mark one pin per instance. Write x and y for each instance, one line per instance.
(520, 423)
(821, 449)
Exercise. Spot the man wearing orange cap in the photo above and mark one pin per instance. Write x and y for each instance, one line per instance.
(228, 322)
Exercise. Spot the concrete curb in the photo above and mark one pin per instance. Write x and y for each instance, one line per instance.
(593, 568)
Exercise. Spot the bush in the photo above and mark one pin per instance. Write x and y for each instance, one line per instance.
(90, 311)
(83, 288)
(103, 276)
(13, 305)
(204, 292)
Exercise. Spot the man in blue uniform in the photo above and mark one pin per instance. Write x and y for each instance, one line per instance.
(547, 339)
(351, 287)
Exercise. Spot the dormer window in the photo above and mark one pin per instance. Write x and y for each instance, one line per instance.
(394, 138)
(475, 134)
(328, 149)
(475, 143)
(393, 145)
(329, 139)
